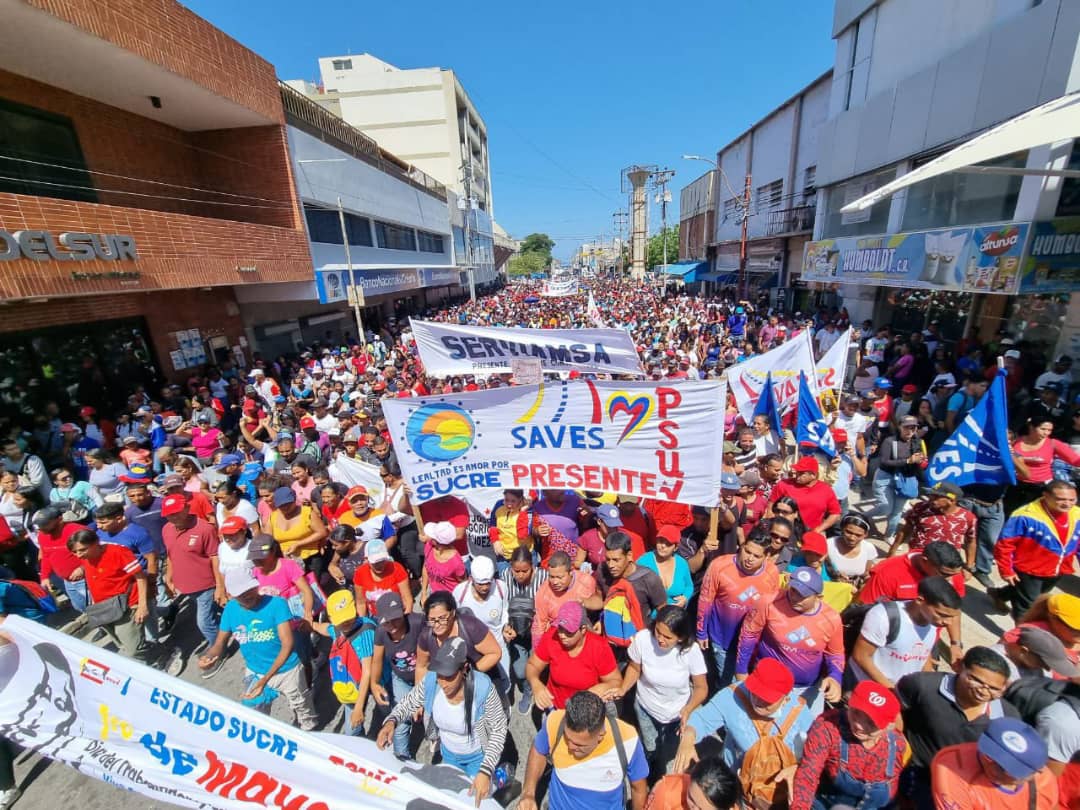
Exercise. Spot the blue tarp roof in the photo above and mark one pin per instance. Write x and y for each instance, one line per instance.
(686, 270)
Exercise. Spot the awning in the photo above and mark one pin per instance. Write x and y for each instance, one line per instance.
(1057, 120)
(688, 270)
(719, 278)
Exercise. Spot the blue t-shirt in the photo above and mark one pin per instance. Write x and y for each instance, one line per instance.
(256, 631)
(149, 519)
(134, 538)
(15, 601)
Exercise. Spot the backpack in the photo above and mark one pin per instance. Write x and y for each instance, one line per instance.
(616, 735)
(520, 612)
(852, 619)
(44, 599)
(765, 759)
(622, 616)
(1032, 694)
(345, 666)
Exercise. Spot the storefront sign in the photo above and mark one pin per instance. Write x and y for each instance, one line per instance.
(439, 277)
(984, 259)
(1052, 261)
(643, 439)
(42, 246)
(332, 285)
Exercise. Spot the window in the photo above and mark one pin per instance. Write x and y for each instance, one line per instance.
(30, 134)
(430, 242)
(874, 219)
(1069, 201)
(960, 198)
(394, 237)
(770, 196)
(809, 191)
(860, 45)
(324, 225)
(342, 64)
(731, 209)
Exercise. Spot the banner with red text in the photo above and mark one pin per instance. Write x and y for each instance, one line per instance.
(746, 379)
(141, 730)
(649, 439)
(832, 367)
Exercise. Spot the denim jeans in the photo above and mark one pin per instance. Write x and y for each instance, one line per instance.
(403, 730)
(470, 763)
(519, 657)
(725, 662)
(991, 519)
(76, 592)
(207, 614)
(658, 739)
(890, 503)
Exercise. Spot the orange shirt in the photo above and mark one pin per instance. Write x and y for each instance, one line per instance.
(548, 603)
(669, 793)
(960, 784)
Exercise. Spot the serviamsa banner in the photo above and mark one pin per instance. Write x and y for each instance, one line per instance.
(651, 440)
(451, 349)
(116, 720)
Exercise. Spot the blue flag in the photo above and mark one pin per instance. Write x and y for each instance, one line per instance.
(812, 428)
(766, 405)
(978, 451)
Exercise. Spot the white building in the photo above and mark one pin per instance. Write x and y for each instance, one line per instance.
(912, 79)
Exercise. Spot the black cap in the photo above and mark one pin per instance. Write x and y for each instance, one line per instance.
(450, 657)
(47, 515)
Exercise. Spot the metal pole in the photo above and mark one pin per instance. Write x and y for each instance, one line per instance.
(743, 286)
(360, 337)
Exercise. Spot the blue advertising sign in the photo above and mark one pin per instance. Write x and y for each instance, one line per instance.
(332, 285)
(1052, 261)
(439, 276)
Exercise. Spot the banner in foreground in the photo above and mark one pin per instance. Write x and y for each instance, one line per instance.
(747, 379)
(116, 720)
(646, 439)
(451, 349)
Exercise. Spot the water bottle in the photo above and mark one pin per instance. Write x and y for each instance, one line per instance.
(500, 777)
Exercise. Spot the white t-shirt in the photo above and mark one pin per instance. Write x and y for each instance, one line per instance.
(228, 558)
(1051, 377)
(449, 719)
(324, 424)
(664, 686)
(243, 509)
(851, 566)
(491, 611)
(908, 653)
(1060, 727)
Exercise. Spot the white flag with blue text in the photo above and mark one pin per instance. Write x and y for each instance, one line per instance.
(978, 450)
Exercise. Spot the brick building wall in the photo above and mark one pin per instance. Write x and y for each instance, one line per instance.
(167, 34)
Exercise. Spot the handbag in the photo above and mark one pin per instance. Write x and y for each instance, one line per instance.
(109, 611)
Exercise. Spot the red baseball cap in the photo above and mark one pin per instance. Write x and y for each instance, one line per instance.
(876, 702)
(173, 504)
(805, 464)
(909, 389)
(355, 491)
(839, 435)
(306, 422)
(815, 542)
(669, 534)
(234, 524)
(770, 681)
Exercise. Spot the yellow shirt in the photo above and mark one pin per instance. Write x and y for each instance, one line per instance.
(288, 536)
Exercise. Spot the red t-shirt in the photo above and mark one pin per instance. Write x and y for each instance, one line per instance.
(641, 531)
(189, 553)
(815, 501)
(569, 675)
(370, 589)
(113, 574)
(55, 557)
(897, 579)
(333, 516)
(454, 510)
(199, 505)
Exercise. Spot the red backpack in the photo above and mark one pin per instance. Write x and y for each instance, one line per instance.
(44, 599)
(622, 616)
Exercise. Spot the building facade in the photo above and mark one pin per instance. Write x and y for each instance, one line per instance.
(145, 178)
(965, 247)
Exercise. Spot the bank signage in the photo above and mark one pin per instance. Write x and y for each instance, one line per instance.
(439, 277)
(69, 246)
(333, 285)
(1052, 261)
(984, 259)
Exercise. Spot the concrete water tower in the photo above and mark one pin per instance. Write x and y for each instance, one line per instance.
(634, 180)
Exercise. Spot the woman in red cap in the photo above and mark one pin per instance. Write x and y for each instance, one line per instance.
(852, 756)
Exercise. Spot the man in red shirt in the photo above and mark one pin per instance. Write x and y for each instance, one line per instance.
(938, 518)
(61, 571)
(818, 505)
(451, 510)
(111, 571)
(191, 567)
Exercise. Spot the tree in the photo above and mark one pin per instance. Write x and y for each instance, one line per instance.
(655, 254)
(524, 264)
(540, 244)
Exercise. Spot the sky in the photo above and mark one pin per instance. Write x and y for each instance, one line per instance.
(571, 91)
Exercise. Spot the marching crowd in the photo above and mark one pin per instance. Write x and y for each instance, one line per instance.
(800, 645)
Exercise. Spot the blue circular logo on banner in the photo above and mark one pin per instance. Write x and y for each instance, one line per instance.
(440, 432)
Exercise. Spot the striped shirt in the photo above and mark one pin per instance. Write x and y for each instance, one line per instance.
(539, 577)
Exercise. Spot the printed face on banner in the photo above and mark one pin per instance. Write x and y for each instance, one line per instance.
(644, 439)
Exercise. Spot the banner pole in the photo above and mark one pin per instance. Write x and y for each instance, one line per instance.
(714, 522)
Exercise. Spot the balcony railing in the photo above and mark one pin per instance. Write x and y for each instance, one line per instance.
(790, 220)
(322, 123)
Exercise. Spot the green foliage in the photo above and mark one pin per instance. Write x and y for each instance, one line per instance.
(655, 254)
(525, 263)
(539, 243)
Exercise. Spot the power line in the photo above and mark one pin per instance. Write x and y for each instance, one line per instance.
(133, 193)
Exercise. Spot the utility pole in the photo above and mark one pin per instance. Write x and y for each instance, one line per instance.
(467, 176)
(743, 286)
(663, 196)
(619, 219)
(356, 292)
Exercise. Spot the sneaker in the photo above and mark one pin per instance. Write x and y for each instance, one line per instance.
(9, 797)
(172, 662)
(207, 674)
(984, 579)
(525, 702)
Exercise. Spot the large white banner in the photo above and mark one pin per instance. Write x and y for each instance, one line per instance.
(746, 379)
(116, 720)
(832, 367)
(558, 289)
(451, 349)
(649, 439)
